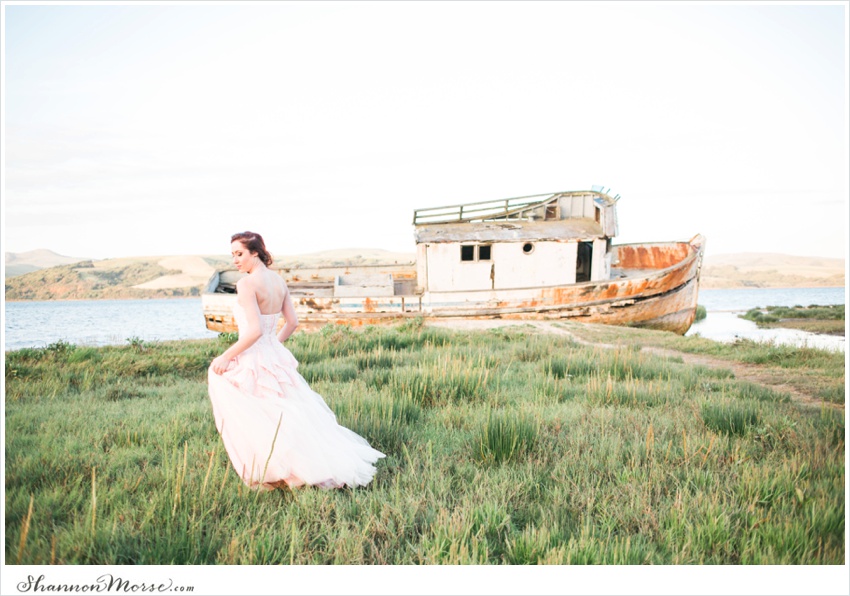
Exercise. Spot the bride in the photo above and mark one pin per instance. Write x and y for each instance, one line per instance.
(276, 430)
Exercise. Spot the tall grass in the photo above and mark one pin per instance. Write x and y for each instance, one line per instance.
(730, 418)
(503, 447)
(809, 370)
(505, 437)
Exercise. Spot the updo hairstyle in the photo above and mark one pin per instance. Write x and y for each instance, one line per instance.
(254, 243)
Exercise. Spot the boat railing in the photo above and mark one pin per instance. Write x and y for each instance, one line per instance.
(516, 208)
(605, 191)
(482, 210)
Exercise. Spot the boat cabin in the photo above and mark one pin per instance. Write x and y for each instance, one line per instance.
(537, 241)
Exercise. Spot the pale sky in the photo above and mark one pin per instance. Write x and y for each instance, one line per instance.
(162, 129)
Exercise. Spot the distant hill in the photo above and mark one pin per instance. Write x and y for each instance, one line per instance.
(25, 262)
(770, 270)
(110, 278)
(161, 277)
(346, 256)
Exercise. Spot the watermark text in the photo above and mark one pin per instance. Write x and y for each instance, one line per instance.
(105, 583)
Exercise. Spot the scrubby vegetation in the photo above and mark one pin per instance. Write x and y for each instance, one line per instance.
(814, 318)
(84, 281)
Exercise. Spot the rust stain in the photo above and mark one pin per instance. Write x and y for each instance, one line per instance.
(658, 256)
(368, 305)
(310, 303)
(561, 296)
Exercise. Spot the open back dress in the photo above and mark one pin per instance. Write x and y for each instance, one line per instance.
(275, 428)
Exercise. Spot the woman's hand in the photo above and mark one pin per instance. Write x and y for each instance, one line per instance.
(219, 365)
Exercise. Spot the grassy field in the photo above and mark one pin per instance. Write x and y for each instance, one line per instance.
(819, 373)
(503, 446)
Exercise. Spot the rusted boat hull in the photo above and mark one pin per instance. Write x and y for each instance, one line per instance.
(653, 286)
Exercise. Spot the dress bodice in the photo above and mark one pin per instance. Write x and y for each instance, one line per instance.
(268, 323)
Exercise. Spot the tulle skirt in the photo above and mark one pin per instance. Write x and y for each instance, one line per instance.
(277, 430)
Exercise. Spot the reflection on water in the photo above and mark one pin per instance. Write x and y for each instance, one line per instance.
(728, 327)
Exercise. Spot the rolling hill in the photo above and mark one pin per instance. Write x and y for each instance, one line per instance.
(158, 276)
(770, 270)
(176, 276)
(26, 262)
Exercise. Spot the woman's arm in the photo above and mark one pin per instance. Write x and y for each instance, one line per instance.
(289, 316)
(247, 299)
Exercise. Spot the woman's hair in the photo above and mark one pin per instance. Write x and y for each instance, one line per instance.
(254, 243)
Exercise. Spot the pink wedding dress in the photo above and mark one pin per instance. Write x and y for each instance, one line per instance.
(275, 428)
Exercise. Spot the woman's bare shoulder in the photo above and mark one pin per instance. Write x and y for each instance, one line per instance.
(245, 283)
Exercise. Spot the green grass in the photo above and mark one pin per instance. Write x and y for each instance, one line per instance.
(829, 312)
(809, 370)
(503, 447)
(730, 418)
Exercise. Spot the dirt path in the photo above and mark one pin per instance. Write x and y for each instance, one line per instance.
(748, 372)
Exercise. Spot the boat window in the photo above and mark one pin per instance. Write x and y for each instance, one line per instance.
(598, 211)
(551, 212)
(528, 248)
(467, 253)
(483, 252)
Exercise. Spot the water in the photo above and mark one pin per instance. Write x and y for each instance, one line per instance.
(743, 299)
(103, 322)
(724, 324)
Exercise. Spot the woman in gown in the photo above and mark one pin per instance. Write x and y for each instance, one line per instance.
(275, 428)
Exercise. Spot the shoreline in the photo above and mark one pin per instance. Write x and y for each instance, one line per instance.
(748, 288)
(105, 299)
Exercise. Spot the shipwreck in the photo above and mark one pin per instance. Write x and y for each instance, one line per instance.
(538, 257)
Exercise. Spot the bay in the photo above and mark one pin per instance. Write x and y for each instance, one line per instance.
(743, 299)
(102, 322)
(114, 322)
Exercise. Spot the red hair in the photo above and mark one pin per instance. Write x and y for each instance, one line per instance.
(254, 243)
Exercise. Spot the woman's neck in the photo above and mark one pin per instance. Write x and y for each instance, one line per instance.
(257, 268)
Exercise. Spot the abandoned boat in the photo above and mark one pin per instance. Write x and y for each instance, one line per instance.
(544, 256)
